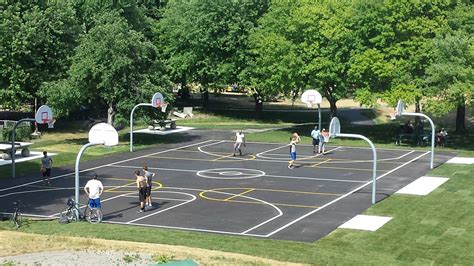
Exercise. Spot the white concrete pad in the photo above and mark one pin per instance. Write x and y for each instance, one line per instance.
(34, 155)
(366, 222)
(461, 160)
(163, 132)
(423, 185)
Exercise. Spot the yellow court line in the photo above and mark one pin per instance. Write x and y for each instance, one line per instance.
(325, 161)
(274, 190)
(277, 204)
(240, 194)
(117, 187)
(127, 185)
(260, 203)
(222, 157)
(346, 168)
(252, 157)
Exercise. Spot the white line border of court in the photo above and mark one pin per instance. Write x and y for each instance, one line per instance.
(343, 196)
(109, 164)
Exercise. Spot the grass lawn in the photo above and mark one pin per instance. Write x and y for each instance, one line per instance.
(436, 228)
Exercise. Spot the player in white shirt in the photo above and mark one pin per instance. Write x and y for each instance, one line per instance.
(94, 189)
(239, 140)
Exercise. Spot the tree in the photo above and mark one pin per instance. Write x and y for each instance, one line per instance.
(36, 43)
(114, 67)
(207, 41)
(393, 48)
(303, 45)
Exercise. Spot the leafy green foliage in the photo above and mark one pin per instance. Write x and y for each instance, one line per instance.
(207, 41)
(301, 45)
(36, 42)
(393, 48)
(114, 67)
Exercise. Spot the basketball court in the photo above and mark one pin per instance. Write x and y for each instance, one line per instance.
(202, 187)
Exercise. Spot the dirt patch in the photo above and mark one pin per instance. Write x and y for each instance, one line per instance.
(32, 249)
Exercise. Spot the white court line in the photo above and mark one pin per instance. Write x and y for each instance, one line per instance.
(104, 165)
(101, 200)
(343, 161)
(309, 145)
(341, 197)
(279, 176)
(299, 158)
(185, 228)
(193, 198)
(280, 213)
(157, 198)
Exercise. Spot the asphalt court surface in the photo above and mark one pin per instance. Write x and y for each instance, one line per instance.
(202, 187)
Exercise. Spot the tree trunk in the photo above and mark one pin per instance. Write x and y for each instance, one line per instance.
(332, 102)
(461, 117)
(258, 104)
(205, 98)
(111, 114)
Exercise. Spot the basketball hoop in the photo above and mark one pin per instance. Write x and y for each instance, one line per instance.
(309, 104)
(50, 123)
(163, 107)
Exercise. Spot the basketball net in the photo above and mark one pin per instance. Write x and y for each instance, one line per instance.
(49, 122)
(163, 107)
(309, 104)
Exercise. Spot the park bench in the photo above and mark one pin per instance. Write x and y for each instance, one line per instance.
(162, 124)
(6, 149)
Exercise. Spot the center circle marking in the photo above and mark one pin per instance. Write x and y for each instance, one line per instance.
(230, 173)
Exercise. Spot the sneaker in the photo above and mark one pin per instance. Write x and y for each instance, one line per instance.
(233, 155)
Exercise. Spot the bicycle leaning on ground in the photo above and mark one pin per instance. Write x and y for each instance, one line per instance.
(16, 218)
(73, 213)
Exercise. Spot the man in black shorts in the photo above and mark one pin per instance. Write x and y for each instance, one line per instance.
(46, 165)
(141, 185)
(315, 135)
(149, 180)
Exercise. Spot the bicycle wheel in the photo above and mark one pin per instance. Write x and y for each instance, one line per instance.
(94, 216)
(72, 214)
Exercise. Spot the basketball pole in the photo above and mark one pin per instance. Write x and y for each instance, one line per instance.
(13, 151)
(131, 122)
(319, 112)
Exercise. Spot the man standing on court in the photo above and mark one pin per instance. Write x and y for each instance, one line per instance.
(293, 140)
(315, 135)
(239, 140)
(149, 179)
(94, 189)
(46, 164)
(141, 185)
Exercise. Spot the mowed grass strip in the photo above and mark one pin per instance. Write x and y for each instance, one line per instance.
(429, 229)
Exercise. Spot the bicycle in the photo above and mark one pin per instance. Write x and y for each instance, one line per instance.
(73, 213)
(16, 218)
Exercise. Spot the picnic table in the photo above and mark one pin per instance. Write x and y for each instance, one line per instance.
(6, 149)
(163, 123)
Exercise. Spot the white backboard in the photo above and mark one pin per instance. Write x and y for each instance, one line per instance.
(44, 114)
(157, 100)
(103, 133)
(311, 97)
(334, 127)
(400, 108)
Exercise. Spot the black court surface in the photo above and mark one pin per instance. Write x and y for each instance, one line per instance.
(202, 187)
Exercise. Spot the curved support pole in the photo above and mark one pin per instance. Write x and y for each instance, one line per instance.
(13, 152)
(131, 122)
(78, 159)
(374, 164)
(432, 133)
